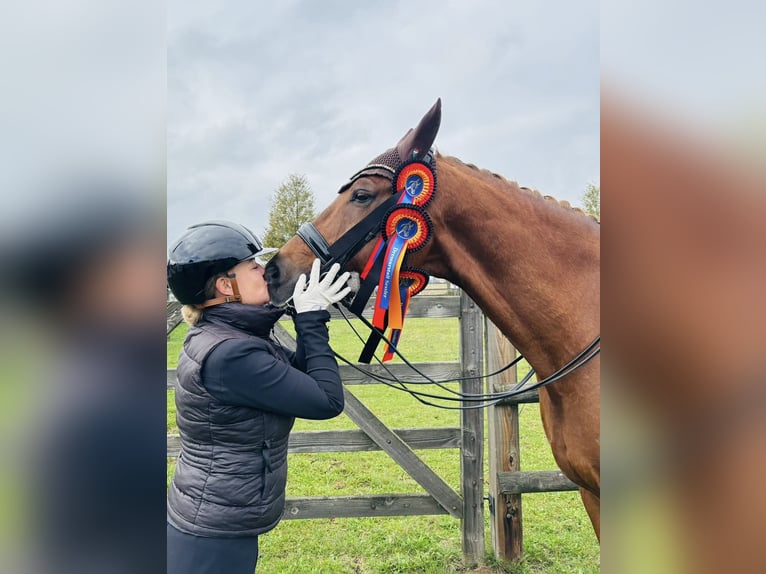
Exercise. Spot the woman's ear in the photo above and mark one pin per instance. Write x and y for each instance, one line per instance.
(223, 286)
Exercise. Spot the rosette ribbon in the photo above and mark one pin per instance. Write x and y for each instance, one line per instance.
(406, 228)
(417, 182)
(411, 282)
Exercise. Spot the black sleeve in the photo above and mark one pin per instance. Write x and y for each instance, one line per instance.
(245, 372)
(291, 357)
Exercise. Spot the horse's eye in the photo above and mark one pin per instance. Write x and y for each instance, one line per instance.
(361, 196)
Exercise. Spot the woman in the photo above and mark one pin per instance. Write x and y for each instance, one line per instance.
(238, 394)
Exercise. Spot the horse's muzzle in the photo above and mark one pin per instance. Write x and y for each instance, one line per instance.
(272, 272)
(279, 292)
(281, 282)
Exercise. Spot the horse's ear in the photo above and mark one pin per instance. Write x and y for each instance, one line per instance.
(423, 136)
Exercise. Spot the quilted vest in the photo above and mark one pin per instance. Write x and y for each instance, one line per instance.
(231, 473)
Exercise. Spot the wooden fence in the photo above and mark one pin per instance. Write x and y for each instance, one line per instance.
(507, 482)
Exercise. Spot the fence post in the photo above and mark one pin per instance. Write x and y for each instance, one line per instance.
(505, 509)
(174, 315)
(472, 425)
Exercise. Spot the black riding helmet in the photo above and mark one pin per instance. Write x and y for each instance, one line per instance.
(205, 250)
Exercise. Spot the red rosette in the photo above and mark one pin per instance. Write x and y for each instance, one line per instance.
(415, 280)
(409, 224)
(417, 181)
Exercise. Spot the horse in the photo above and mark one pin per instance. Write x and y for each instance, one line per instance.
(529, 262)
(685, 280)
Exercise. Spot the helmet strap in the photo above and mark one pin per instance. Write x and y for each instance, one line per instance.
(236, 297)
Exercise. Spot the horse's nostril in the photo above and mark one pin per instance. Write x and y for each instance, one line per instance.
(272, 272)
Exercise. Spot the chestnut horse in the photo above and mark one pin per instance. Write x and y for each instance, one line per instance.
(530, 263)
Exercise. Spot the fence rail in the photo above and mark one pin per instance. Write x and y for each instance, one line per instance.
(361, 506)
(355, 440)
(351, 376)
(534, 481)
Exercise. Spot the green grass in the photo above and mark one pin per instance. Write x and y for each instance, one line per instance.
(418, 342)
(558, 537)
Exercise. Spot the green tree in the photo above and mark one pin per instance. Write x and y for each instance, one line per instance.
(591, 200)
(291, 205)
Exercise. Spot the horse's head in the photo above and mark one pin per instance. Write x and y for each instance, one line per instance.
(366, 191)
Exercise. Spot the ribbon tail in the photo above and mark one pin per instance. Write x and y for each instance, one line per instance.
(406, 306)
(386, 286)
(405, 293)
(371, 261)
(394, 338)
(397, 333)
(379, 318)
(395, 308)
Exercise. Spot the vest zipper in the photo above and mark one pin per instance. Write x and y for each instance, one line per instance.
(266, 455)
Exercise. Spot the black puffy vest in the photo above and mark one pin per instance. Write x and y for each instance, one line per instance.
(231, 473)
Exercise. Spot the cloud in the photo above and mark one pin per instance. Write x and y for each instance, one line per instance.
(258, 92)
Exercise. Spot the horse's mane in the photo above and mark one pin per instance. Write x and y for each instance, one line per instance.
(495, 177)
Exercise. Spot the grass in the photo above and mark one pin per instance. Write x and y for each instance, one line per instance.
(558, 537)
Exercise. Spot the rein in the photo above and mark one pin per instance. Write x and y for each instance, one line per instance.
(484, 399)
(403, 225)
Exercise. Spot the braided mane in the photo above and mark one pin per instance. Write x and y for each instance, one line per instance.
(515, 186)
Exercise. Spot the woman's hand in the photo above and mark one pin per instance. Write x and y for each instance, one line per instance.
(318, 294)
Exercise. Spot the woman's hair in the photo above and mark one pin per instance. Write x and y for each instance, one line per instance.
(191, 313)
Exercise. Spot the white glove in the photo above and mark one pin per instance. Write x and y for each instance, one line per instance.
(319, 294)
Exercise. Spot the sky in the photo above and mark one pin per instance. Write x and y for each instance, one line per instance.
(704, 63)
(224, 103)
(83, 89)
(257, 91)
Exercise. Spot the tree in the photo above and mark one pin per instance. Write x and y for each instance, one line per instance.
(591, 199)
(291, 205)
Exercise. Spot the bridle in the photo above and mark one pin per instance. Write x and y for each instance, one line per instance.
(370, 227)
(351, 242)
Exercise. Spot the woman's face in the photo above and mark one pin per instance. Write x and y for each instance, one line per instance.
(252, 285)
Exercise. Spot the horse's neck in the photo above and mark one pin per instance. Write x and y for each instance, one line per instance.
(529, 263)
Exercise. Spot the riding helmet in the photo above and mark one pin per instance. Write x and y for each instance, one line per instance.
(205, 250)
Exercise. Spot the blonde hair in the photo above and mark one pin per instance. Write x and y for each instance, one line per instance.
(191, 314)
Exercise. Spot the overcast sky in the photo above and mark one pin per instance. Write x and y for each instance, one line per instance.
(259, 90)
(251, 92)
(704, 64)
